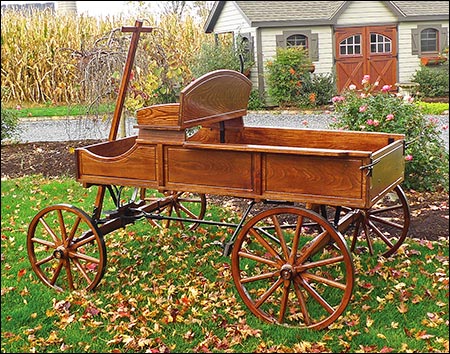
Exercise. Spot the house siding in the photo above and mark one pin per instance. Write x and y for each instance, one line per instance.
(231, 20)
(360, 13)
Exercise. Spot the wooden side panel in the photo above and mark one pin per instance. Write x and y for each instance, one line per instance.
(388, 172)
(137, 163)
(210, 169)
(318, 139)
(322, 179)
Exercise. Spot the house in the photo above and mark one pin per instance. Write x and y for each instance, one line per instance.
(387, 40)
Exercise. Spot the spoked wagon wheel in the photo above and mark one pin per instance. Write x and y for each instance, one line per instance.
(287, 274)
(66, 249)
(180, 205)
(384, 227)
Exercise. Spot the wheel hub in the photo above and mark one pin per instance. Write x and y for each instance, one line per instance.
(287, 272)
(59, 253)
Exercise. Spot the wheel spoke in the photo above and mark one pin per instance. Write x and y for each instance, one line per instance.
(381, 235)
(316, 296)
(302, 303)
(323, 280)
(269, 292)
(279, 232)
(296, 239)
(386, 222)
(284, 301)
(47, 227)
(258, 258)
(266, 245)
(62, 226)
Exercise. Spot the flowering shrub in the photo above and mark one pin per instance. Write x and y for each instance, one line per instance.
(286, 74)
(426, 157)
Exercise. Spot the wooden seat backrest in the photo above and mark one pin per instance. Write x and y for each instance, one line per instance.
(216, 96)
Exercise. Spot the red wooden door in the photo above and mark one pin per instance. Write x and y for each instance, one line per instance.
(366, 51)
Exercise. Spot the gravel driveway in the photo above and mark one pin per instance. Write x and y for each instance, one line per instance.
(45, 129)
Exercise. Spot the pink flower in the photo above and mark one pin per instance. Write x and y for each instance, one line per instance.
(363, 108)
(376, 123)
(408, 158)
(18, 107)
(369, 122)
(386, 88)
(337, 99)
(365, 79)
(305, 122)
(390, 116)
(352, 87)
(433, 121)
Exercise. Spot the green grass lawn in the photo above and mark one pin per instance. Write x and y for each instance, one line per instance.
(171, 290)
(62, 111)
(433, 108)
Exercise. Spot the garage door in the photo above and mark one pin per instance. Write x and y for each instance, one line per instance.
(366, 51)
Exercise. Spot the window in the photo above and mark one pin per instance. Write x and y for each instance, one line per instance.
(297, 40)
(429, 40)
(380, 43)
(303, 38)
(351, 45)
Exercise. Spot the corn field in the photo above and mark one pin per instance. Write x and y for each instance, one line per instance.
(60, 59)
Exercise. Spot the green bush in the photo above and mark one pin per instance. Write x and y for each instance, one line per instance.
(255, 101)
(286, 74)
(10, 123)
(426, 157)
(317, 90)
(433, 108)
(215, 56)
(433, 81)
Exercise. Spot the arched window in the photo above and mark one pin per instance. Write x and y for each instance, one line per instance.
(300, 38)
(297, 40)
(429, 40)
(380, 43)
(351, 45)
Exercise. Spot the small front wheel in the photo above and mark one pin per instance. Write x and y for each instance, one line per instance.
(66, 249)
(291, 267)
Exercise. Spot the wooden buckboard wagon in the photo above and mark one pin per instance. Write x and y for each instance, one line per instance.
(290, 262)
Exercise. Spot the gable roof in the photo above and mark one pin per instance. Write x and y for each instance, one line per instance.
(297, 13)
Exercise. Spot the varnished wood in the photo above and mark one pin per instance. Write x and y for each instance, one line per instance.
(224, 157)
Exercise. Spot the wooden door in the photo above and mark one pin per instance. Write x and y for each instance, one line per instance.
(366, 51)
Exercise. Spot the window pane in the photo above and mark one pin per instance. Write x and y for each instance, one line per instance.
(428, 40)
(297, 40)
(380, 43)
(350, 45)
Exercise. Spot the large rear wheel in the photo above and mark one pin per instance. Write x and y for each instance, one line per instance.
(291, 267)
